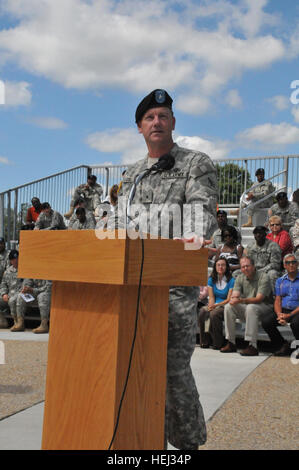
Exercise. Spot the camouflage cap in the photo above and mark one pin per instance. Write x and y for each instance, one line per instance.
(157, 98)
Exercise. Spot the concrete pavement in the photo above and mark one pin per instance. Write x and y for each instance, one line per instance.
(217, 375)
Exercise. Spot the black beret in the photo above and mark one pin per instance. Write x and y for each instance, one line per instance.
(157, 98)
(259, 229)
(260, 171)
(13, 254)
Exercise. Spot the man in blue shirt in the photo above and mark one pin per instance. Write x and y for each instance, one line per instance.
(286, 306)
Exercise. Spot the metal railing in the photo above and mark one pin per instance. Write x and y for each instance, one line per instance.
(235, 176)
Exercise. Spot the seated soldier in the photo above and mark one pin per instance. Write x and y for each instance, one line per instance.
(257, 191)
(10, 288)
(4, 261)
(265, 254)
(90, 191)
(251, 298)
(294, 233)
(40, 290)
(286, 210)
(49, 219)
(81, 202)
(286, 307)
(81, 222)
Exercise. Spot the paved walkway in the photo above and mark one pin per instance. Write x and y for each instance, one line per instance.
(217, 376)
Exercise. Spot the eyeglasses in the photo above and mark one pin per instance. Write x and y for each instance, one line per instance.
(291, 262)
(277, 225)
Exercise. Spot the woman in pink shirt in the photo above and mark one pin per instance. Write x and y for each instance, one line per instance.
(279, 236)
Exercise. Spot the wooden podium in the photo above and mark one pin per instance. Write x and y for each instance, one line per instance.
(93, 311)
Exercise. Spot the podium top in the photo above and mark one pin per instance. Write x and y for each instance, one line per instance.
(80, 256)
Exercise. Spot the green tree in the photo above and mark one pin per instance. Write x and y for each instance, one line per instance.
(232, 182)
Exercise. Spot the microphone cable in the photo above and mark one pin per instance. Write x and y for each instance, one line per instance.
(132, 346)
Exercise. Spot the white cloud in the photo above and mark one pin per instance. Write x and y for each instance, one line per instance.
(131, 145)
(48, 122)
(215, 149)
(141, 45)
(233, 99)
(17, 94)
(270, 134)
(280, 102)
(127, 142)
(4, 161)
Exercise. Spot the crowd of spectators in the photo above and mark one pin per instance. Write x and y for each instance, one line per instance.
(257, 284)
(17, 295)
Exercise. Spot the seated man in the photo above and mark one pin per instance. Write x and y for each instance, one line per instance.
(49, 219)
(251, 298)
(265, 254)
(90, 191)
(286, 210)
(81, 202)
(33, 213)
(286, 307)
(41, 291)
(81, 222)
(4, 261)
(258, 191)
(10, 288)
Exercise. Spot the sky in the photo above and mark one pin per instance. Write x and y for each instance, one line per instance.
(72, 73)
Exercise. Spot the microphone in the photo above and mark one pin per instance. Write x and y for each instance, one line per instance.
(165, 162)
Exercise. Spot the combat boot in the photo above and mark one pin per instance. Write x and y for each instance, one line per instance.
(249, 222)
(43, 327)
(69, 214)
(19, 325)
(3, 321)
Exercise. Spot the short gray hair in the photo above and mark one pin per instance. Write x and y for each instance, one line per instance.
(288, 256)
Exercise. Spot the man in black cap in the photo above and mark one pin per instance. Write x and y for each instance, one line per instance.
(265, 254)
(258, 191)
(287, 210)
(192, 182)
(10, 287)
(4, 264)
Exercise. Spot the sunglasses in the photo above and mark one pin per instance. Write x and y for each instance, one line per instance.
(291, 262)
(277, 225)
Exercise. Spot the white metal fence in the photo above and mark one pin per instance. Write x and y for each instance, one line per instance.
(234, 177)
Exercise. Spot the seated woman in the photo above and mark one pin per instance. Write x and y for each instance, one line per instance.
(230, 249)
(280, 236)
(220, 286)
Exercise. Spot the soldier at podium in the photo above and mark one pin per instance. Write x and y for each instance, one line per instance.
(190, 182)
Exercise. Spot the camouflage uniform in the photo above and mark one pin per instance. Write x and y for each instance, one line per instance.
(91, 194)
(42, 295)
(288, 214)
(192, 181)
(50, 221)
(267, 259)
(10, 285)
(265, 188)
(4, 262)
(89, 223)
